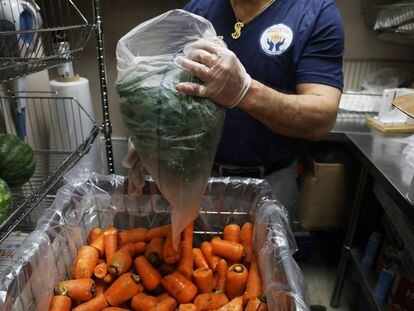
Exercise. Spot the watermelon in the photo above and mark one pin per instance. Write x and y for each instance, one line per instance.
(17, 160)
(5, 199)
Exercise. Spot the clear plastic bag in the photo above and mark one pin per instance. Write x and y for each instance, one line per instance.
(47, 255)
(175, 135)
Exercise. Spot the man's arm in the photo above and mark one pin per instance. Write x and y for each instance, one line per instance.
(310, 114)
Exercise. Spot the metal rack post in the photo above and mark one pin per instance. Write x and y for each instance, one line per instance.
(106, 126)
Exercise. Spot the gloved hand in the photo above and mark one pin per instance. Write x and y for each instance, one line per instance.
(132, 162)
(225, 79)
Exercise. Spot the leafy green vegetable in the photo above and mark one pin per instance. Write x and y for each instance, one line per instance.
(175, 135)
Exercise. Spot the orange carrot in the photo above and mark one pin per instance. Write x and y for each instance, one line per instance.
(163, 296)
(254, 283)
(86, 261)
(257, 304)
(166, 268)
(221, 276)
(203, 279)
(108, 279)
(140, 248)
(60, 303)
(210, 301)
(123, 289)
(158, 232)
(110, 242)
(94, 234)
(95, 304)
(168, 304)
(226, 249)
(199, 260)
(235, 305)
(100, 286)
(169, 253)
(179, 287)
(211, 259)
(187, 307)
(185, 266)
(100, 270)
(215, 275)
(246, 239)
(236, 280)
(99, 245)
(121, 261)
(153, 252)
(115, 309)
(231, 233)
(132, 236)
(143, 302)
(80, 289)
(150, 277)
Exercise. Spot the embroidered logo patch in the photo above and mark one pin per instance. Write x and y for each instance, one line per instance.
(276, 39)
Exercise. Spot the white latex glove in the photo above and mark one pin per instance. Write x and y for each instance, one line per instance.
(132, 162)
(225, 79)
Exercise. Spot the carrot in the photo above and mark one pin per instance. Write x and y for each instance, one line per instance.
(121, 260)
(226, 249)
(100, 270)
(140, 247)
(110, 242)
(143, 302)
(80, 289)
(169, 253)
(163, 296)
(215, 280)
(99, 245)
(203, 279)
(185, 266)
(231, 233)
(150, 277)
(199, 260)
(158, 232)
(221, 275)
(153, 252)
(168, 304)
(284, 300)
(166, 268)
(115, 309)
(86, 261)
(94, 234)
(236, 280)
(187, 307)
(211, 259)
(60, 303)
(95, 304)
(254, 283)
(132, 236)
(100, 286)
(123, 289)
(235, 305)
(257, 304)
(210, 301)
(179, 287)
(188, 233)
(108, 279)
(246, 239)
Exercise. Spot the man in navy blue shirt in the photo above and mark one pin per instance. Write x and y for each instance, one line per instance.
(281, 78)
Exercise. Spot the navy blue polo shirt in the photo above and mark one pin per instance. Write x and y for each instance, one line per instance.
(291, 42)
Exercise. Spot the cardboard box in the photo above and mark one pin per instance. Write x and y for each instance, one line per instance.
(323, 197)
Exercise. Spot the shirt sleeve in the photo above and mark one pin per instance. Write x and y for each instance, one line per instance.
(321, 59)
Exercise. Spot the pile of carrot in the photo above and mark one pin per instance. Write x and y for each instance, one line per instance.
(140, 270)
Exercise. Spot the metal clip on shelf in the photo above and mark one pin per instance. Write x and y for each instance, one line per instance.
(60, 132)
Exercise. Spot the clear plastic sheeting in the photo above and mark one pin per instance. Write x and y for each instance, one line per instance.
(175, 135)
(100, 201)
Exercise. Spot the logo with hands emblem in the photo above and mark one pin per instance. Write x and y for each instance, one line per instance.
(276, 39)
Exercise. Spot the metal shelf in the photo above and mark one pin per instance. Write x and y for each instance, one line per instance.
(60, 132)
(59, 30)
(368, 280)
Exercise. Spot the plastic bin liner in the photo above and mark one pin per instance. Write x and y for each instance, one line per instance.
(47, 255)
(175, 135)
